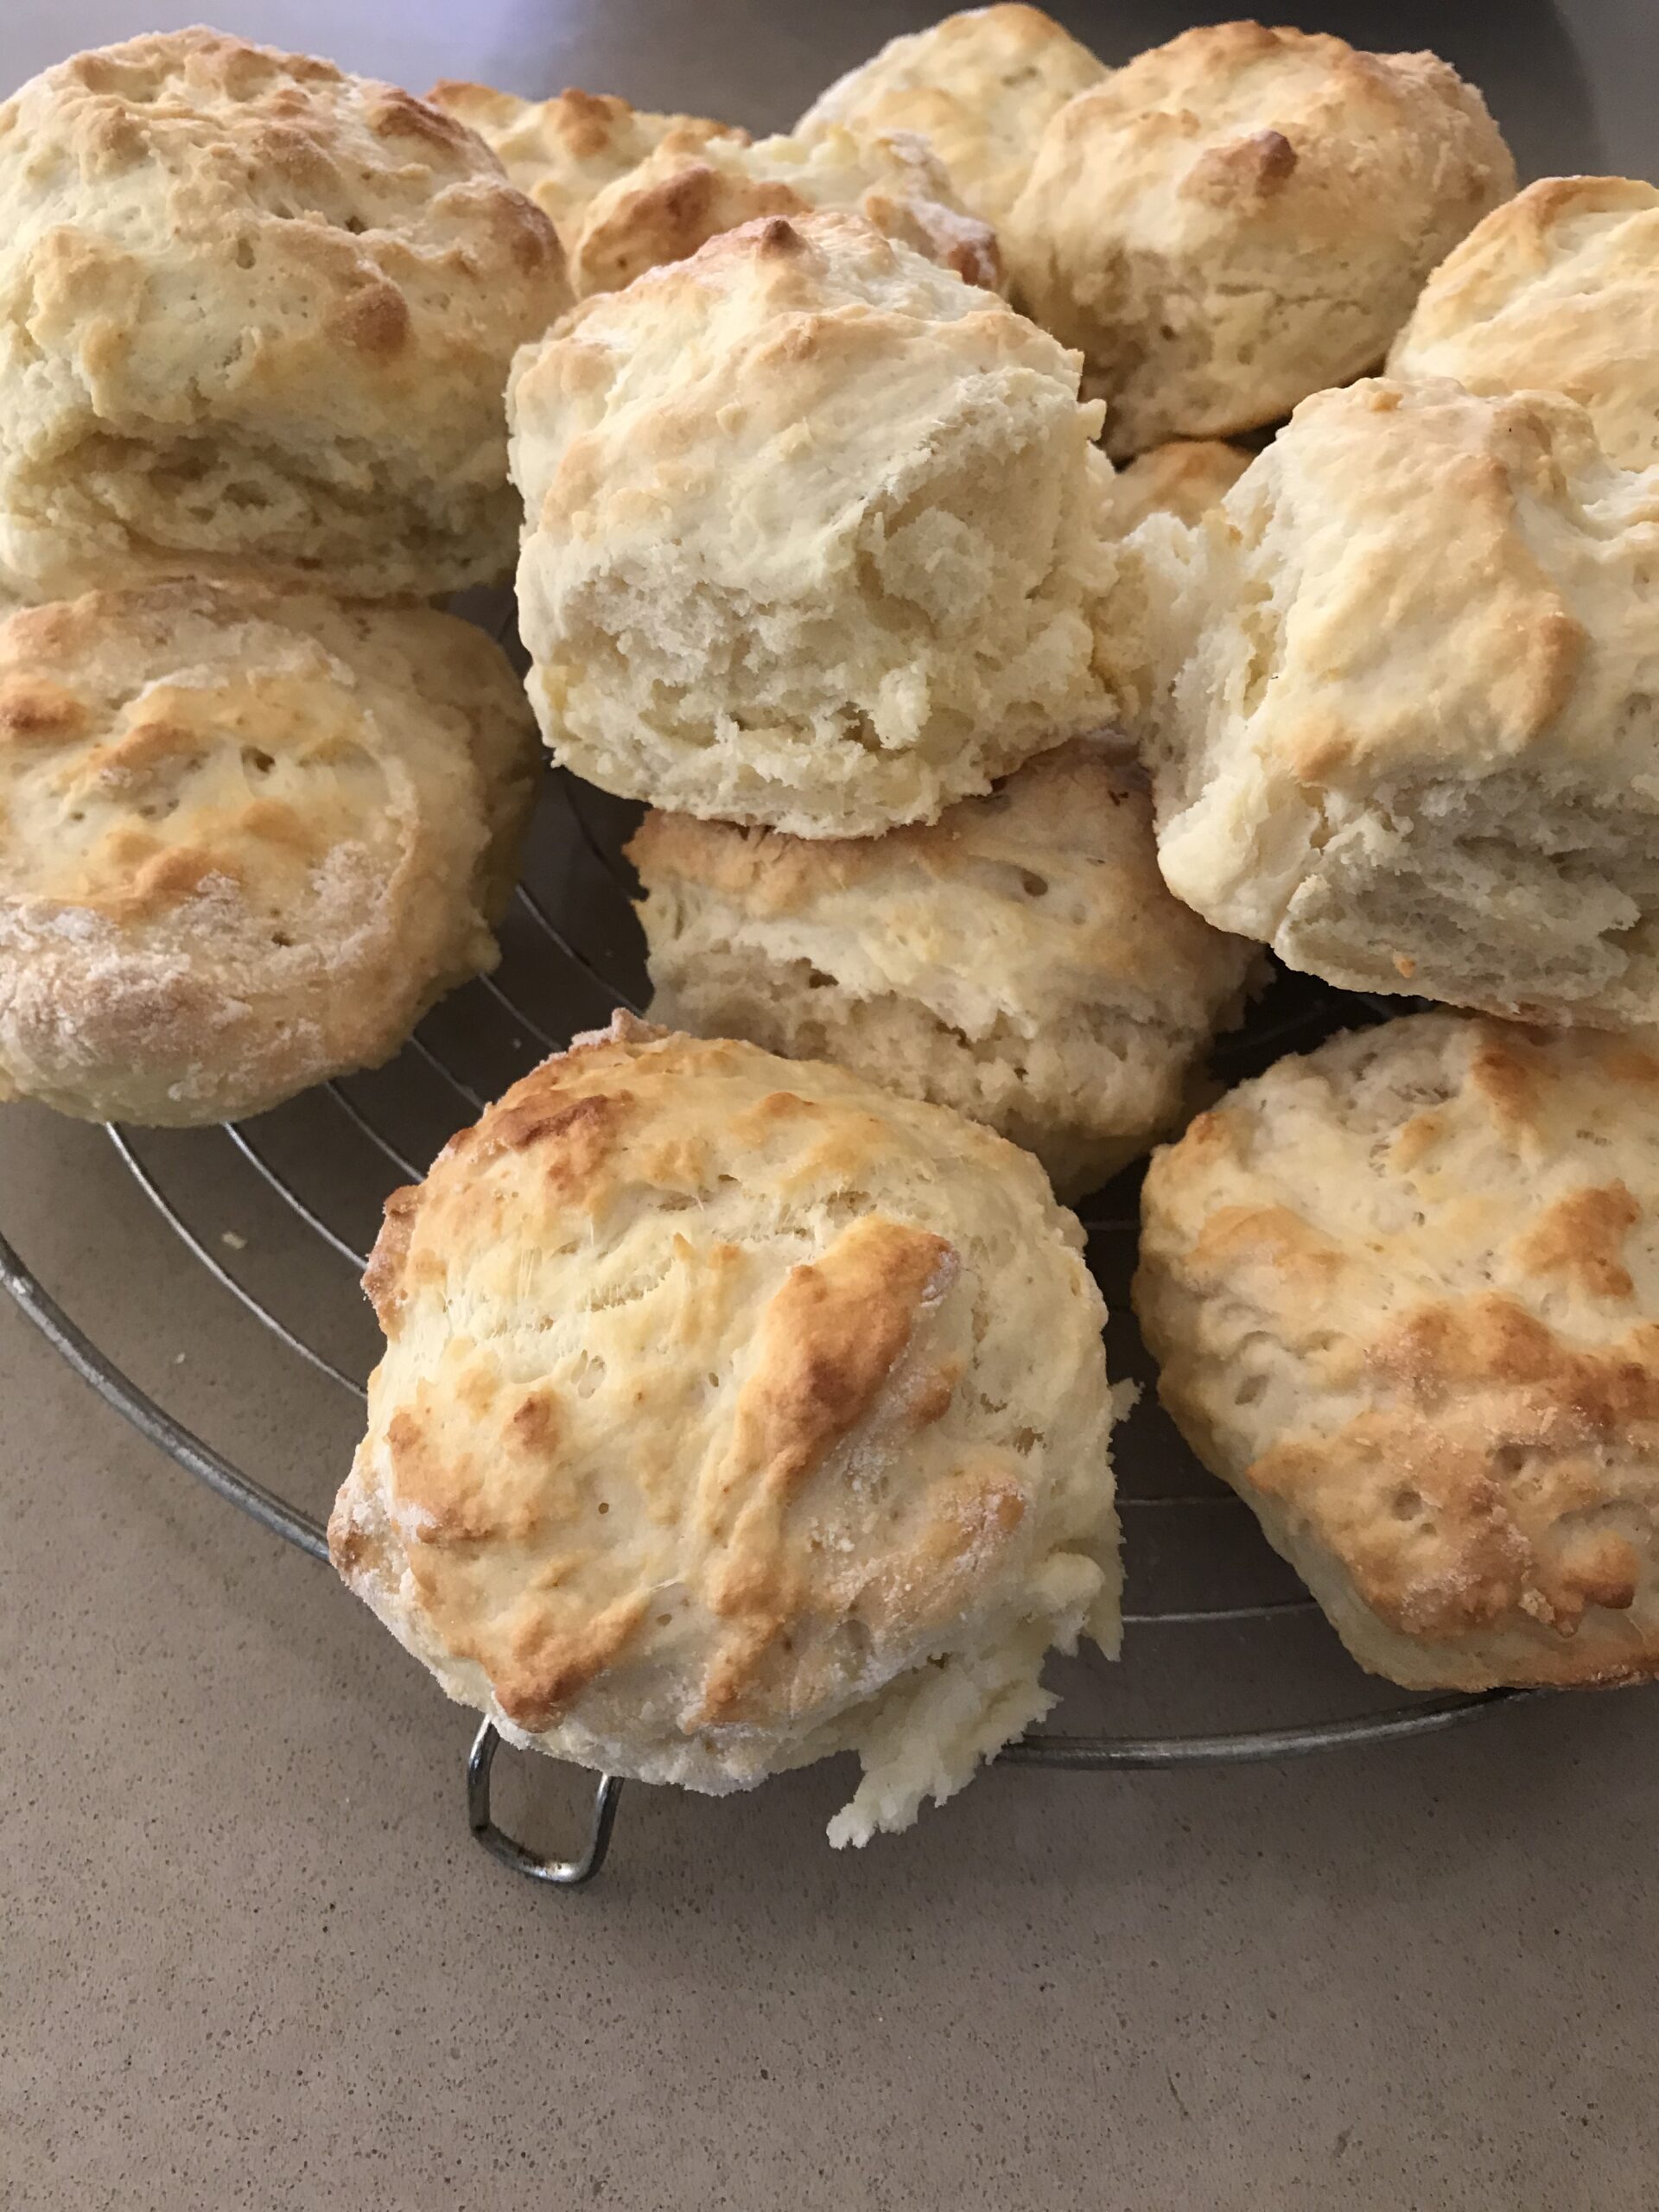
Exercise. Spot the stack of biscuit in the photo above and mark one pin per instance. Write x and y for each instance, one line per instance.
(819, 547)
(260, 806)
(744, 1398)
(1402, 726)
(815, 532)
(813, 538)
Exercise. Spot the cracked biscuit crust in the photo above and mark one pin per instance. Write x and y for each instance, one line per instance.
(1020, 960)
(1556, 290)
(979, 86)
(733, 1413)
(1404, 1293)
(246, 838)
(680, 196)
(1406, 733)
(813, 534)
(1243, 217)
(627, 190)
(255, 313)
(562, 153)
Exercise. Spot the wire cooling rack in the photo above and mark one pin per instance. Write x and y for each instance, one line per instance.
(1226, 1658)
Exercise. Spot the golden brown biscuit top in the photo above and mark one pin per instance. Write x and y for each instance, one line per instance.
(1515, 565)
(685, 193)
(166, 751)
(724, 383)
(1185, 478)
(979, 86)
(188, 790)
(693, 1398)
(1594, 221)
(1425, 1260)
(563, 152)
(193, 210)
(1556, 290)
(1235, 127)
(279, 135)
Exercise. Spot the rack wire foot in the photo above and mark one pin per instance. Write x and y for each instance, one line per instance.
(561, 1873)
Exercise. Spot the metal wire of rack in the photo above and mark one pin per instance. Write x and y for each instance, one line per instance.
(570, 957)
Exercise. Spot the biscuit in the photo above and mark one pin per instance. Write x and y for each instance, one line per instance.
(682, 195)
(980, 87)
(246, 838)
(1405, 1293)
(1243, 216)
(562, 152)
(813, 534)
(1557, 291)
(255, 314)
(1185, 479)
(1405, 723)
(733, 1414)
(1020, 960)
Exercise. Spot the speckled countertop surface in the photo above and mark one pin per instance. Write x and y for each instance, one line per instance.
(249, 1956)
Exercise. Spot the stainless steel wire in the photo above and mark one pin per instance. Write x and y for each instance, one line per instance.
(295, 1525)
(1251, 1745)
(291, 1199)
(216, 1267)
(539, 915)
(493, 989)
(462, 1089)
(361, 1123)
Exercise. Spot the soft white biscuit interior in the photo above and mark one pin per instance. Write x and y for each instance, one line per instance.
(1410, 736)
(1020, 960)
(813, 533)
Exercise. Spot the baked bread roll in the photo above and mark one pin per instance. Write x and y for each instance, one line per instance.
(979, 86)
(1020, 960)
(733, 1414)
(255, 313)
(246, 838)
(562, 152)
(1185, 479)
(1405, 1293)
(682, 195)
(1556, 290)
(1243, 216)
(1409, 740)
(813, 534)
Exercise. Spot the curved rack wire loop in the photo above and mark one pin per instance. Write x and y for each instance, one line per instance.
(1250, 1746)
(458, 1091)
(117, 1389)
